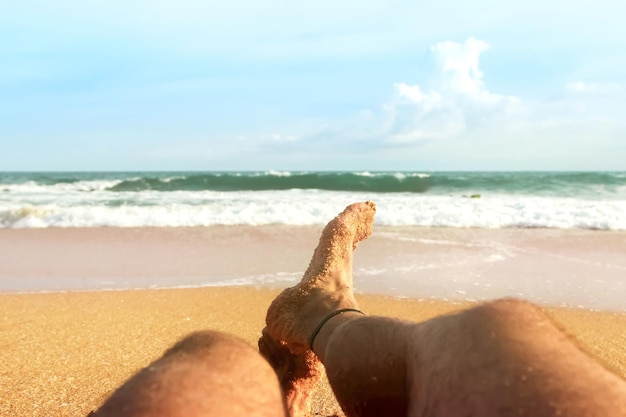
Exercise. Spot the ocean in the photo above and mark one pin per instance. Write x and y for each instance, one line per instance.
(445, 235)
(562, 200)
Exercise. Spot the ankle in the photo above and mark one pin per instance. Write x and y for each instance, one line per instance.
(327, 326)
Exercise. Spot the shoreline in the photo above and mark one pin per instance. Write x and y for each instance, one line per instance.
(573, 267)
(73, 337)
(63, 353)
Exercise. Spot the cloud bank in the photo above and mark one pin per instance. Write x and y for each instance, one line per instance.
(453, 119)
(457, 100)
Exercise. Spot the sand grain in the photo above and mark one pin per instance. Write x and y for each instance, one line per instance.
(61, 354)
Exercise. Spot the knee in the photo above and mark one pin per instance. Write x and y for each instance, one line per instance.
(206, 373)
(510, 313)
(510, 304)
(204, 341)
(511, 307)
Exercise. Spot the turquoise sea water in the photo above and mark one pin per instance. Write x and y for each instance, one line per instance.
(592, 200)
(448, 260)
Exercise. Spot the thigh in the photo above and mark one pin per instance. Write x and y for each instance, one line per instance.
(506, 358)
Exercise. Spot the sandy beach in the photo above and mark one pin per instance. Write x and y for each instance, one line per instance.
(63, 352)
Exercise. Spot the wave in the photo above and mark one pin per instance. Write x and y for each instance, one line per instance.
(316, 208)
(553, 184)
(593, 200)
(273, 181)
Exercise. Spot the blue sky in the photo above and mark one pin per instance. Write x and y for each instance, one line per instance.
(234, 85)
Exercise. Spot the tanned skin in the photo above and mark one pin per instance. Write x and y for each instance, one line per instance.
(206, 374)
(502, 358)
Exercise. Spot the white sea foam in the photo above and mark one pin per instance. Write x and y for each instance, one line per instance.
(91, 204)
(278, 173)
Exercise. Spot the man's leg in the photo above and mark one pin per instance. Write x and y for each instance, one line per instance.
(205, 374)
(504, 358)
(294, 315)
(501, 358)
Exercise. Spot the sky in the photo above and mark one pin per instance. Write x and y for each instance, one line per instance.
(324, 85)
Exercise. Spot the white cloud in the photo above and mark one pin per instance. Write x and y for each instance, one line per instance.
(459, 65)
(453, 120)
(457, 101)
(282, 138)
(580, 87)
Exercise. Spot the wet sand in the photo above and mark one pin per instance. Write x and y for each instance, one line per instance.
(580, 268)
(62, 353)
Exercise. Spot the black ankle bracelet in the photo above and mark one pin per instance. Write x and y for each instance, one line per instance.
(328, 317)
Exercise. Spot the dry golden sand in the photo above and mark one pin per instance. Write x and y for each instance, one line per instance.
(61, 354)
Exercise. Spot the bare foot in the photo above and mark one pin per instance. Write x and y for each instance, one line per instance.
(293, 316)
(298, 375)
(327, 283)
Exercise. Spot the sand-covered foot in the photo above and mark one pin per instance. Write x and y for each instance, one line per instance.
(298, 375)
(294, 315)
(327, 283)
